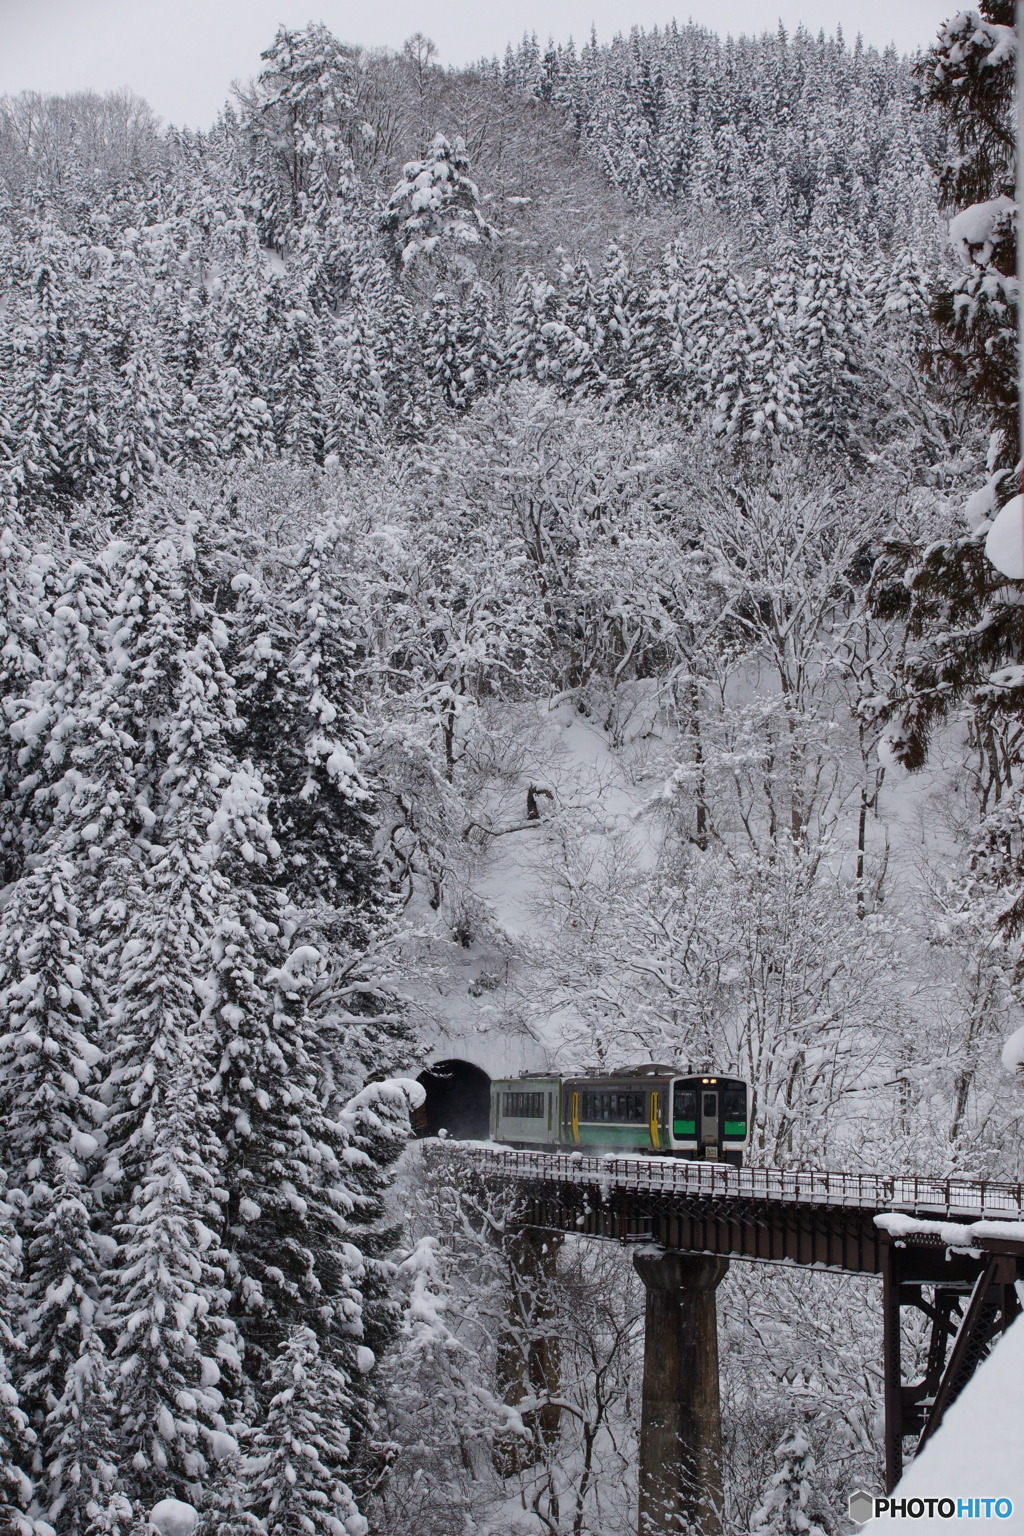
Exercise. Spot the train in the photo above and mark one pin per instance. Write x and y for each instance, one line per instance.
(645, 1108)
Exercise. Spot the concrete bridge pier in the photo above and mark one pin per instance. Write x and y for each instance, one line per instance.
(529, 1356)
(681, 1420)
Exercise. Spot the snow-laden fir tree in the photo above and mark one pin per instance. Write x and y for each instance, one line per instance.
(294, 679)
(296, 1484)
(17, 1441)
(615, 311)
(166, 1298)
(788, 1507)
(962, 613)
(298, 122)
(442, 352)
(166, 1293)
(830, 335)
(58, 706)
(435, 208)
(293, 375)
(355, 406)
(481, 349)
(538, 338)
(64, 1373)
(48, 1056)
(80, 1487)
(21, 642)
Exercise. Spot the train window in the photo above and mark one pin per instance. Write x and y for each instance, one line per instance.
(711, 1106)
(684, 1111)
(523, 1106)
(734, 1110)
(613, 1106)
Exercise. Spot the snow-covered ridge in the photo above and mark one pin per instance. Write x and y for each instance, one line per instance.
(867, 1191)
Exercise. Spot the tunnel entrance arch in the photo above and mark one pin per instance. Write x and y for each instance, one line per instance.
(458, 1101)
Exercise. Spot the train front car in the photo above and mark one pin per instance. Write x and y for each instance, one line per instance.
(711, 1118)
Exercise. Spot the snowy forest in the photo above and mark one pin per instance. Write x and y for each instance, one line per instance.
(506, 554)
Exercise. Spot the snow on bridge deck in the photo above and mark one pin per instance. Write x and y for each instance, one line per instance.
(667, 1176)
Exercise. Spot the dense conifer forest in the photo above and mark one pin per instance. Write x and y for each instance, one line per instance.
(499, 563)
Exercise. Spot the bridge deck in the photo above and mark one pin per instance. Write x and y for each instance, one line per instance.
(948, 1198)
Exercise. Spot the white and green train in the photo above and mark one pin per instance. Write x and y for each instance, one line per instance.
(646, 1108)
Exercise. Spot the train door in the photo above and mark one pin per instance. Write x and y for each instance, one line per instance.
(709, 1121)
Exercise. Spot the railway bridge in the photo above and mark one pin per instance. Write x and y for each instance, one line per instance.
(953, 1249)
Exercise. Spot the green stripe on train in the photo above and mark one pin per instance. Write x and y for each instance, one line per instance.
(735, 1128)
(616, 1135)
(684, 1127)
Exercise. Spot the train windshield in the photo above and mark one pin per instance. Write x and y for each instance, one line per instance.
(734, 1109)
(684, 1110)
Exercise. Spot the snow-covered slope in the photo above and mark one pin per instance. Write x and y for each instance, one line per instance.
(979, 1450)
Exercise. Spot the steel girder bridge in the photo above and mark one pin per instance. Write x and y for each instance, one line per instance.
(952, 1249)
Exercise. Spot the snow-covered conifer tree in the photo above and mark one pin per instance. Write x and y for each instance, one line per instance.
(17, 1440)
(63, 1359)
(294, 679)
(788, 1503)
(483, 359)
(616, 310)
(167, 1293)
(166, 1296)
(49, 1008)
(436, 206)
(442, 352)
(81, 1433)
(830, 337)
(293, 375)
(296, 1487)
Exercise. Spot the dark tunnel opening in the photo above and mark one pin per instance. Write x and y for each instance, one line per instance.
(458, 1101)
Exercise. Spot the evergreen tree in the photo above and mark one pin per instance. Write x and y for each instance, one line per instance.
(616, 314)
(968, 76)
(355, 406)
(83, 1449)
(962, 614)
(481, 352)
(300, 125)
(830, 335)
(47, 1059)
(168, 1301)
(293, 373)
(21, 643)
(17, 1440)
(302, 1446)
(294, 678)
(538, 338)
(141, 440)
(785, 1511)
(442, 353)
(63, 1367)
(435, 206)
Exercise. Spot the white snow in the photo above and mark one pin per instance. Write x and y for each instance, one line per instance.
(978, 509)
(954, 1233)
(973, 232)
(976, 1452)
(1004, 543)
(173, 1518)
(1012, 1055)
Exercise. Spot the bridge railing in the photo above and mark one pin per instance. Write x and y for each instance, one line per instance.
(667, 1176)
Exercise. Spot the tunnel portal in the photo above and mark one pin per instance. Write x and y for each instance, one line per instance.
(458, 1101)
